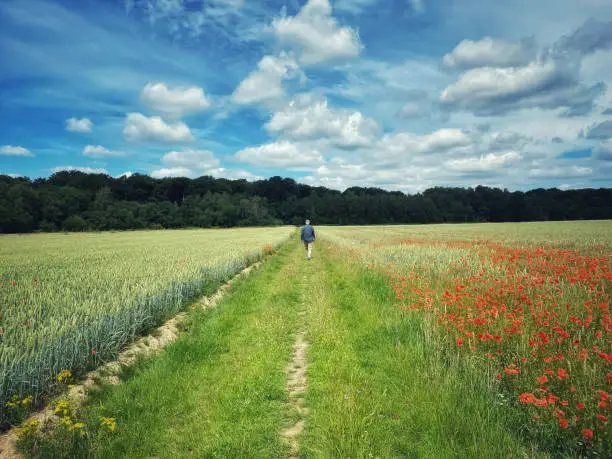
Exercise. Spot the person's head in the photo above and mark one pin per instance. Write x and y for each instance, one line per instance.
(308, 222)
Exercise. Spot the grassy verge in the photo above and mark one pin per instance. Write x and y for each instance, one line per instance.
(218, 391)
(377, 388)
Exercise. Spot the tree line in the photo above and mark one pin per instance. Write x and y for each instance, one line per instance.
(74, 201)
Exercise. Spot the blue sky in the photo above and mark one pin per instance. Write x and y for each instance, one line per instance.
(398, 94)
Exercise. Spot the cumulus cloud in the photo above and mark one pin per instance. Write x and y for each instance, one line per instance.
(549, 81)
(560, 172)
(484, 163)
(406, 143)
(592, 36)
(139, 128)
(126, 174)
(174, 101)
(281, 154)
(265, 84)
(546, 84)
(599, 131)
(86, 170)
(10, 150)
(191, 159)
(316, 36)
(187, 163)
(507, 140)
(172, 172)
(234, 174)
(490, 52)
(309, 118)
(98, 151)
(79, 125)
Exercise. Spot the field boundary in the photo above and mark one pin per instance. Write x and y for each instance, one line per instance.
(109, 373)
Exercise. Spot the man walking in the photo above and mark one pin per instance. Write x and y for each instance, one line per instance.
(308, 238)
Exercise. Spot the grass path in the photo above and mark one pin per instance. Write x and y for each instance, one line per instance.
(302, 359)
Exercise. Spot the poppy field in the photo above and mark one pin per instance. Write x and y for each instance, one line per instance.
(72, 301)
(527, 304)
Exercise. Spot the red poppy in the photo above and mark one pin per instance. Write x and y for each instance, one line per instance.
(542, 379)
(587, 433)
(94, 352)
(562, 374)
(512, 370)
(564, 423)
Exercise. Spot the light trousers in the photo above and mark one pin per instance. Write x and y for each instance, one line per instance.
(308, 248)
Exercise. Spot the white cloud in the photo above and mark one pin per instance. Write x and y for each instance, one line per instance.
(234, 174)
(560, 172)
(126, 174)
(187, 163)
(484, 163)
(174, 101)
(490, 52)
(79, 125)
(173, 172)
(11, 150)
(505, 140)
(406, 143)
(141, 128)
(281, 154)
(265, 84)
(492, 82)
(98, 151)
(316, 36)
(191, 159)
(506, 77)
(86, 170)
(307, 118)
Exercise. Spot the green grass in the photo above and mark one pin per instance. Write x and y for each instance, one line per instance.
(379, 387)
(593, 235)
(218, 391)
(378, 384)
(71, 301)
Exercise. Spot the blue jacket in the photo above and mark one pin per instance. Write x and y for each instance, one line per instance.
(308, 233)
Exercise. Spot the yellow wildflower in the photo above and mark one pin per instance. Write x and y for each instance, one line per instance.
(63, 408)
(64, 376)
(28, 428)
(77, 425)
(66, 421)
(110, 423)
(13, 402)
